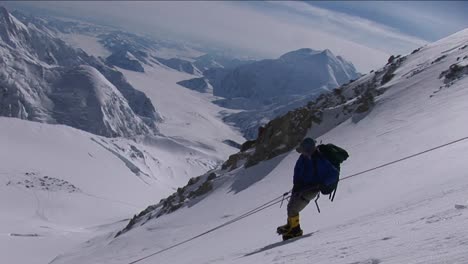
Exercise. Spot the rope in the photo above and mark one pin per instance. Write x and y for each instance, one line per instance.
(246, 214)
(280, 199)
(405, 158)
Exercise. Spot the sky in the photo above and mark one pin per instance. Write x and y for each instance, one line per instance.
(364, 32)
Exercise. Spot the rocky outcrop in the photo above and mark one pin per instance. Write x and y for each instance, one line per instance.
(179, 65)
(196, 84)
(125, 60)
(196, 188)
(455, 71)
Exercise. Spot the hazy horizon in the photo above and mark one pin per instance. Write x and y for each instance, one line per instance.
(365, 33)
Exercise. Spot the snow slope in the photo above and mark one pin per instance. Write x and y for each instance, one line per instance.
(89, 44)
(60, 186)
(414, 211)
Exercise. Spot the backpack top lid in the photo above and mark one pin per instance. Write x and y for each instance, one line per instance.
(334, 154)
(307, 146)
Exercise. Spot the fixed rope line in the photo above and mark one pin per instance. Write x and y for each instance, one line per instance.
(405, 158)
(286, 195)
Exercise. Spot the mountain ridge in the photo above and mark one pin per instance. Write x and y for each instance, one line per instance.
(33, 60)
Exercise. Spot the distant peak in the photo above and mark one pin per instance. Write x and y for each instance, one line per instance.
(300, 53)
(3, 10)
(305, 52)
(328, 52)
(10, 24)
(5, 14)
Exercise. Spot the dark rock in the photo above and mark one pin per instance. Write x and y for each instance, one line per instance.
(125, 60)
(232, 143)
(179, 65)
(247, 145)
(196, 84)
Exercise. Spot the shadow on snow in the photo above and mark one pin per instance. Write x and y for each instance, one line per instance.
(278, 244)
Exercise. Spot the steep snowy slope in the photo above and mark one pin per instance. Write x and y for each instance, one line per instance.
(414, 211)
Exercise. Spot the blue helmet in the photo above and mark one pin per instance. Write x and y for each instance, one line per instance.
(307, 146)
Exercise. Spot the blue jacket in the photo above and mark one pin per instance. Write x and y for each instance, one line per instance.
(316, 170)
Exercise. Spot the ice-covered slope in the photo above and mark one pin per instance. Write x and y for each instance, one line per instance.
(414, 211)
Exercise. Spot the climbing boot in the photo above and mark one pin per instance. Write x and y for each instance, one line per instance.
(291, 223)
(294, 232)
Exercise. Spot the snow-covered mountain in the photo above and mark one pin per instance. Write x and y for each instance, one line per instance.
(266, 89)
(413, 211)
(302, 71)
(132, 52)
(214, 60)
(44, 79)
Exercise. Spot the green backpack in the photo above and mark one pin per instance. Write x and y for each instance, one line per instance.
(335, 155)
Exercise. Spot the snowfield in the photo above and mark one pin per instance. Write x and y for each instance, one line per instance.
(60, 186)
(89, 44)
(186, 114)
(414, 211)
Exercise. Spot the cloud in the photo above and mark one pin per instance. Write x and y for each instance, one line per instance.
(267, 29)
(346, 22)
